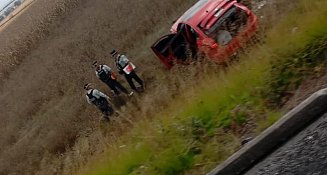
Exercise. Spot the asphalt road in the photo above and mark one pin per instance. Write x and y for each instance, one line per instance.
(304, 154)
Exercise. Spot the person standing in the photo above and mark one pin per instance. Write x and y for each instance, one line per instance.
(104, 73)
(100, 100)
(126, 68)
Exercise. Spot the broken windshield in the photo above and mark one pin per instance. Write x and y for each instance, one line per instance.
(228, 25)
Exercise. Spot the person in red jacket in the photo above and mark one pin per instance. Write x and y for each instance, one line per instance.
(127, 68)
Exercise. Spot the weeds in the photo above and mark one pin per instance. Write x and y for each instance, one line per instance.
(189, 120)
(288, 71)
(204, 127)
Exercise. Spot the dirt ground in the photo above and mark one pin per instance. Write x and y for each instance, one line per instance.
(45, 59)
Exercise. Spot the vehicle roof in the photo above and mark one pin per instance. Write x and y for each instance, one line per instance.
(199, 11)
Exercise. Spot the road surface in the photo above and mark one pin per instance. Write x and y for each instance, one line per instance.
(304, 154)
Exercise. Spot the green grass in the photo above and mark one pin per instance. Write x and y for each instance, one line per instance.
(203, 129)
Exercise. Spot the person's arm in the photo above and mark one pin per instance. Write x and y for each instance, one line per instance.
(119, 67)
(88, 100)
(109, 72)
(96, 73)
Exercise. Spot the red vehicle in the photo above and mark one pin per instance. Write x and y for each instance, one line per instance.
(216, 28)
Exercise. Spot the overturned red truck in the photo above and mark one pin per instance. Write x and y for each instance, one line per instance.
(216, 28)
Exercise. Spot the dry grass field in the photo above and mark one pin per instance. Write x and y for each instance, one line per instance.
(46, 55)
(45, 59)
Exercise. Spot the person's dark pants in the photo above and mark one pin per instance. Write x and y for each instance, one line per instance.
(105, 108)
(115, 85)
(130, 77)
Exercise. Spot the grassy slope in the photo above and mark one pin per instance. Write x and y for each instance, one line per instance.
(189, 136)
(46, 125)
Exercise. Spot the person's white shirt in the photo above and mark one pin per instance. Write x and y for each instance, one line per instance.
(97, 94)
(121, 61)
(106, 68)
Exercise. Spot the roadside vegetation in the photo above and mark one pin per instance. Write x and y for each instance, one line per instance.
(206, 123)
(188, 120)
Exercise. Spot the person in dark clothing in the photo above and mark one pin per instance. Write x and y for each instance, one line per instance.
(100, 100)
(127, 68)
(104, 73)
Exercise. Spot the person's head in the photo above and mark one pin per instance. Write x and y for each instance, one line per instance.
(87, 86)
(114, 53)
(96, 65)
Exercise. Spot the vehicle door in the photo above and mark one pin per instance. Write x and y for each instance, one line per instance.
(190, 37)
(171, 49)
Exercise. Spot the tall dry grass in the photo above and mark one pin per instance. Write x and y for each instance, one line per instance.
(163, 146)
(44, 116)
(46, 54)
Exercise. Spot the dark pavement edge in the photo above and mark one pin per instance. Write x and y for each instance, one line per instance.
(285, 128)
